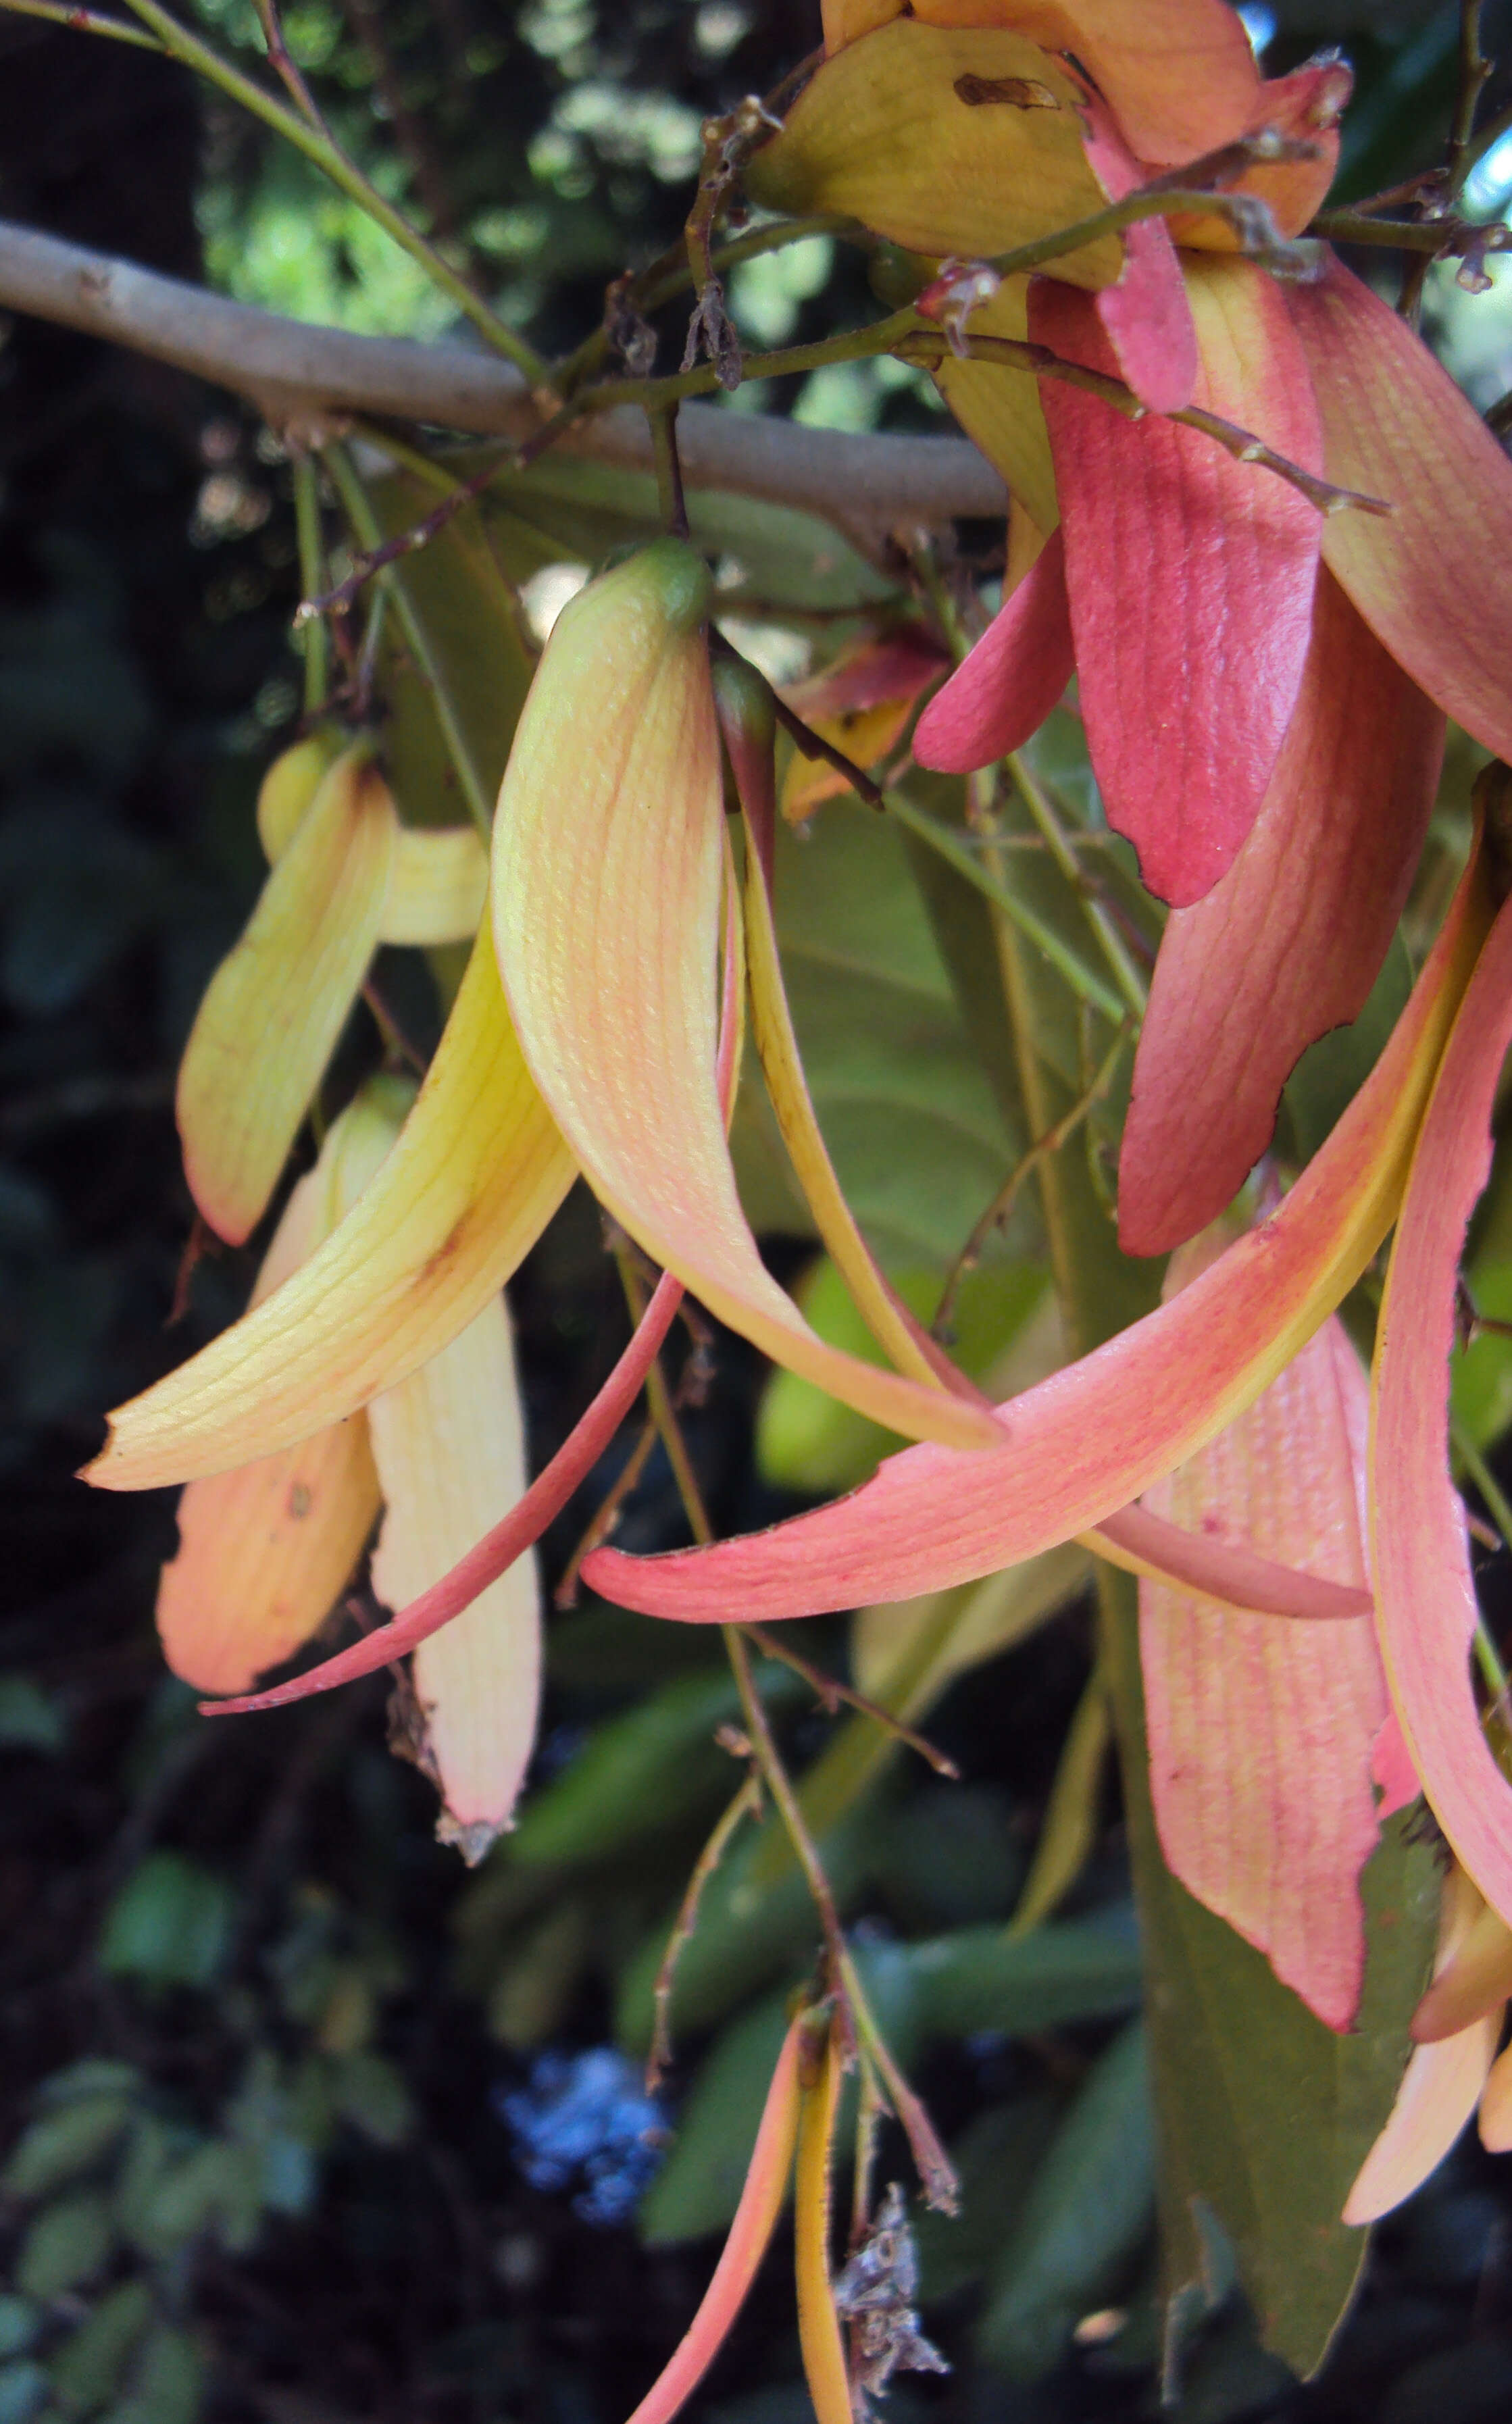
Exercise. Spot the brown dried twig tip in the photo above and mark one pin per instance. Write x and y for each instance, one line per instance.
(831, 1694)
(747, 1802)
(727, 143)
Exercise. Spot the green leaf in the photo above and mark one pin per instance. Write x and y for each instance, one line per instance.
(980, 1978)
(1041, 1074)
(995, 2158)
(170, 1924)
(168, 2383)
(371, 2093)
(774, 556)
(1091, 2202)
(950, 1856)
(213, 2186)
(911, 1123)
(635, 1773)
(23, 2389)
(66, 2245)
(755, 1919)
(805, 1440)
(530, 1995)
(1070, 1828)
(20, 2322)
(95, 2077)
(456, 679)
(89, 2366)
(60, 2145)
(1265, 2114)
(28, 1719)
(1480, 1374)
(1331, 1072)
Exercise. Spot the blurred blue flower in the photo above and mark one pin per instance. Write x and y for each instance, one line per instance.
(586, 2116)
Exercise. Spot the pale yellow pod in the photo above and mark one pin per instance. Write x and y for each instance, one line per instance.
(440, 874)
(450, 1447)
(265, 1549)
(277, 1004)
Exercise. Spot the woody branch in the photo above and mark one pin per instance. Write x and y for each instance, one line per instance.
(297, 375)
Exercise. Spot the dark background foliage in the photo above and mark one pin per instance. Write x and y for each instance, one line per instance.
(282, 2011)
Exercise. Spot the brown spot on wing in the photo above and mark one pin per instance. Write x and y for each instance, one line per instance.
(1014, 92)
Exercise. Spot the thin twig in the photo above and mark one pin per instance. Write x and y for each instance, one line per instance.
(930, 344)
(747, 1802)
(1059, 842)
(727, 142)
(669, 471)
(779, 1785)
(396, 1044)
(936, 2171)
(1001, 1208)
(664, 1413)
(359, 512)
(333, 163)
(830, 1693)
(1439, 239)
(632, 295)
(82, 20)
(1189, 192)
(286, 67)
(338, 600)
(1475, 72)
(314, 641)
(957, 853)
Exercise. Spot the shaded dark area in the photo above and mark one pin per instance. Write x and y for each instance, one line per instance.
(271, 2025)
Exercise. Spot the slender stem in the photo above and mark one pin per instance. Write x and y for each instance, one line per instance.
(830, 1692)
(458, 495)
(936, 2171)
(933, 345)
(82, 20)
(1000, 1209)
(326, 155)
(314, 638)
(1246, 213)
(785, 362)
(747, 1801)
(664, 1413)
(779, 1785)
(1487, 136)
(671, 275)
(1474, 69)
(1437, 237)
(1115, 951)
(365, 523)
(669, 471)
(286, 67)
(959, 854)
(602, 1522)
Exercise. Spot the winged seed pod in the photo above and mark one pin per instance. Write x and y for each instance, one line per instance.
(266, 1548)
(610, 860)
(277, 1005)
